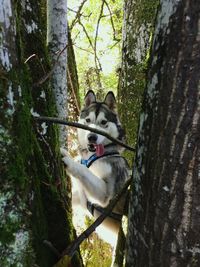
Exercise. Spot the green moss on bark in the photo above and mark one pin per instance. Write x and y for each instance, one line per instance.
(139, 17)
(138, 29)
(33, 207)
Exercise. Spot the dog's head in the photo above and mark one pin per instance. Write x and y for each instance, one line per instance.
(101, 116)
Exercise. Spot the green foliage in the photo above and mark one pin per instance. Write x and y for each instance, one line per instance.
(97, 55)
(32, 206)
(98, 58)
(95, 251)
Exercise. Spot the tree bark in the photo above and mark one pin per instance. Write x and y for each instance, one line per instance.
(57, 41)
(164, 228)
(138, 26)
(73, 84)
(35, 203)
(73, 96)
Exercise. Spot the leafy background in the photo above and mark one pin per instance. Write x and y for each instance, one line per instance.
(96, 32)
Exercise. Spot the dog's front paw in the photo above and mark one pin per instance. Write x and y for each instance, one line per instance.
(67, 159)
(64, 152)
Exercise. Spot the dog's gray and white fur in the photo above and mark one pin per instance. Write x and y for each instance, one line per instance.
(107, 175)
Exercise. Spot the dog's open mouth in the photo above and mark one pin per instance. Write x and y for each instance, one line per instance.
(98, 148)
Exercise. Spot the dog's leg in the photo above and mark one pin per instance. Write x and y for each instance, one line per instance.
(78, 195)
(93, 185)
(75, 198)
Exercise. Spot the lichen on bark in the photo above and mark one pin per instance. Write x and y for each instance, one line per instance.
(164, 229)
(35, 203)
(138, 27)
(57, 41)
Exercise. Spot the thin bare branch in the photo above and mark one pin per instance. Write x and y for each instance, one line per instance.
(81, 48)
(73, 90)
(38, 59)
(81, 15)
(85, 127)
(112, 22)
(96, 34)
(78, 14)
(48, 75)
(73, 247)
(76, 243)
(31, 56)
(45, 77)
(90, 42)
(98, 68)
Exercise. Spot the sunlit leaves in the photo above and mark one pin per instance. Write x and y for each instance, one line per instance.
(97, 36)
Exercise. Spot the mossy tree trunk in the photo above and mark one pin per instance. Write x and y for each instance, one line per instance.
(164, 228)
(73, 95)
(72, 80)
(57, 44)
(138, 25)
(35, 203)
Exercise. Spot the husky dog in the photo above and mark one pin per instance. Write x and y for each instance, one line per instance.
(102, 171)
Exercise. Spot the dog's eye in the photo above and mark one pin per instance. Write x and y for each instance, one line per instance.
(88, 120)
(103, 122)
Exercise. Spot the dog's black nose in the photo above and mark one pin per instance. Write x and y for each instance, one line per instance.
(92, 138)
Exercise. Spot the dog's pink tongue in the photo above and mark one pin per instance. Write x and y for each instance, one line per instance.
(99, 150)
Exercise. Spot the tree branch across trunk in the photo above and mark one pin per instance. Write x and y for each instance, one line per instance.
(85, 127)
(69, 251)
(75, 244)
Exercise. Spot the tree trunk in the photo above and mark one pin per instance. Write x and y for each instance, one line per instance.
(138, 24)
(57, 42)
(73, 96)
(164, 227)
(35, 204)
(73, 84)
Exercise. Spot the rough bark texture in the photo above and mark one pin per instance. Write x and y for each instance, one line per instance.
(164, 226)
(138, 24)
(73, 96)
(33, 207)
(57, 40)
(73, 84)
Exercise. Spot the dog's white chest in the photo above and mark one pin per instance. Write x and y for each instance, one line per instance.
(101, 169)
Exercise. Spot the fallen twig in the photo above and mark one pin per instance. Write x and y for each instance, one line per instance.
(85, 127)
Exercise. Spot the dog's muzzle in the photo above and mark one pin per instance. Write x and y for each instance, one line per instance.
(93, 146)
(92, 139)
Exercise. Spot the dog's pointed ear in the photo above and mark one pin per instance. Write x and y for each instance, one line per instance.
(90, 98)
(111, 101)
